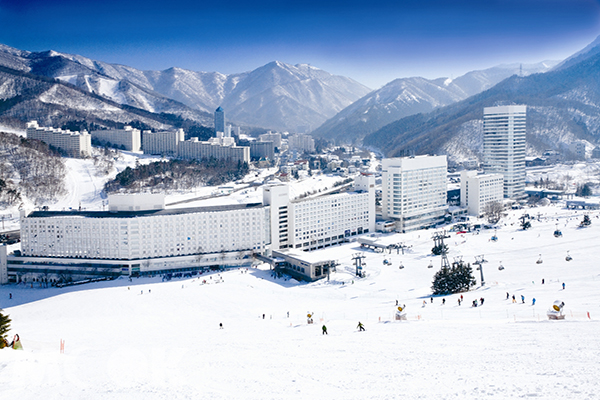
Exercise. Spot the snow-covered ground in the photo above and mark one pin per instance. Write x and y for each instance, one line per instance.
(150, 339)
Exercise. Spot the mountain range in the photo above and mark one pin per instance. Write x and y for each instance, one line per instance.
(563, 106)
(276, 96)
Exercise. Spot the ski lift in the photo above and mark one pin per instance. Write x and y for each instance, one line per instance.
(400, 266)
(568, 257)
(539, 261)
(586, 221)
(501, 267)
(430, 264)
(495, 237)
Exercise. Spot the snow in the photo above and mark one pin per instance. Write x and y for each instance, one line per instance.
(148, 339)
(153, 339)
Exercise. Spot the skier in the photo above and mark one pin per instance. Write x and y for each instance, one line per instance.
(543, 281)
(220, 325)
(523, 299)
(474, 303)
(461, 298)
(563, 286)
(481, 301)
(459, 302)
(431, 299)
(443, 301)
(360, 326)
(507, 296)
(324, 328)
(533, 302)
(513, 299)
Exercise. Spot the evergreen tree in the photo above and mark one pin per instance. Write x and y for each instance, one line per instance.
(458, 278)
(4, 327)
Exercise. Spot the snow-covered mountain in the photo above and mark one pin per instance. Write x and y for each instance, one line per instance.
(408, 96)
(277, 95)
(563, 106)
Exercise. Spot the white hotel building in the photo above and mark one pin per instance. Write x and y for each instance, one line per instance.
(139, 236)
(75, 144)
(414, 191)
(319, 222)
(129, 138)
(477, 191)
(504, 129)
(163, 142)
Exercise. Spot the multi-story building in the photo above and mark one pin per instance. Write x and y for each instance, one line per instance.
(194, 149)
(128, 138)
(219, 120)
(577, 149)
(162, 143)
(259, 149)
(303, 143)
(139, 235)
(74, 144)
(414, 191)
(319, 222)
(271, 137)
(504, 129)
(477, 191)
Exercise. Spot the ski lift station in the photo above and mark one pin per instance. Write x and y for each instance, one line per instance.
(301, 265)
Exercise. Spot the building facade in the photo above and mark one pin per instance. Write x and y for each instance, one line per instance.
(319, 222)
(504, 130)
(74, 144)
(219, 120)
(262, 149)
(414, 191)
(477, 191)
(303, 143)
(193, 149)
(128, 138)
(162, 143)
(271, 137)
(577, 149)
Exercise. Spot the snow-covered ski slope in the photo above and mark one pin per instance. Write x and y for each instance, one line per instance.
(148, 339)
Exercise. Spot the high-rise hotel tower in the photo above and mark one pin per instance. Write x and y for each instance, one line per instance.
(504, 146)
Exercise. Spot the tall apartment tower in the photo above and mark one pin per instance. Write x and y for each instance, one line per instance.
(219, 120)
(414, 191)
(504, 130)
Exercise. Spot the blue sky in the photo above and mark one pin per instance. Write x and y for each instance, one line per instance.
(371, 42)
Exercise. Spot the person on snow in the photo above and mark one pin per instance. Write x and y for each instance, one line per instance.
(360, 326)
(513, 298)
(459, 302)
(533, 302)
(324, 328)
(523, 299)
(474, 303)
(431, 299)
(481, 301)
(507, 296)
(563, 286)
(443, 301)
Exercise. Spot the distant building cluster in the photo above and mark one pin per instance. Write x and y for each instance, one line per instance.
(301, 142)
(74, 144)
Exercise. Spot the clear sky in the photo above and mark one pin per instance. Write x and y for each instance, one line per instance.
(371, 42)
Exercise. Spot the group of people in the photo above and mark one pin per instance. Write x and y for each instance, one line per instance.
(360, 327)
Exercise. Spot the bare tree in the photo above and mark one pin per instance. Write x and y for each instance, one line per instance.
(493, 211)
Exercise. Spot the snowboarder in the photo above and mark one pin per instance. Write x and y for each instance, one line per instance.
(360, 326)
(324, 328)
(523, 299)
